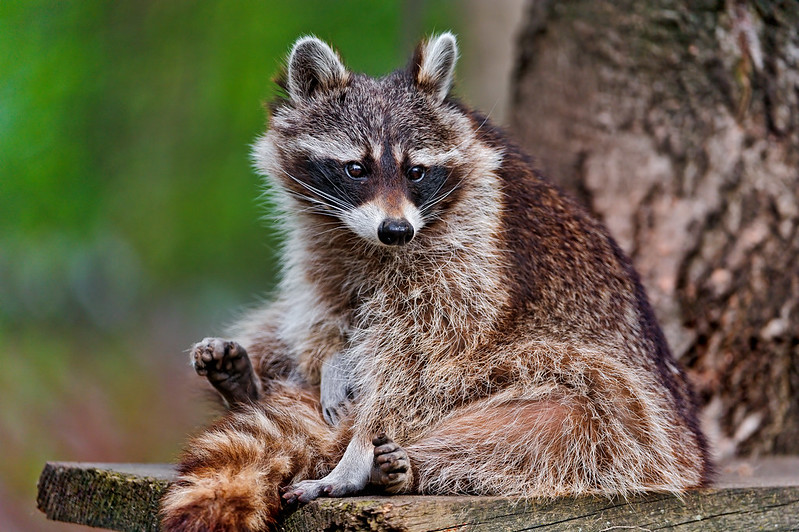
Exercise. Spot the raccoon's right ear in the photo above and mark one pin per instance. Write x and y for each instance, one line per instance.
(313, 66)
(433, 65)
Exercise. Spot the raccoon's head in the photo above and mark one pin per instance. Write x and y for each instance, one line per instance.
(384, 157)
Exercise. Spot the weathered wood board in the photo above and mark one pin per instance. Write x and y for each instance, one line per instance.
(760, 495)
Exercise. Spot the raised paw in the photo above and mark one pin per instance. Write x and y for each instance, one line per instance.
(227, 367)
(391, 469)
(308, 490)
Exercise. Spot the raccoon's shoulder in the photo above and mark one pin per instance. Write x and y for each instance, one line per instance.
(557, 250)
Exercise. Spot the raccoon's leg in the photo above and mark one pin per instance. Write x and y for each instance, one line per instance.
(228, 368)
(349, 477)
(230, 477)
(520, 448)
(561, 445)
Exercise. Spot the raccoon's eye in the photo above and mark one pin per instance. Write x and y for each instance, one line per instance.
(355, 170)
(416, 173)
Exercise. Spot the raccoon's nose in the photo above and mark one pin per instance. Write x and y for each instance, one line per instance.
(395, 232)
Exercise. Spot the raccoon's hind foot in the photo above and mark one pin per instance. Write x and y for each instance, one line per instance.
(391, 469)
(228, 368)
(308, 490)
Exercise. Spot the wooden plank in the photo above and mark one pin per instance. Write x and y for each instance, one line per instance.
(114, 496)
(757, 495)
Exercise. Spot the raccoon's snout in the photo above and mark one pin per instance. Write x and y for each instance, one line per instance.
(393, 232)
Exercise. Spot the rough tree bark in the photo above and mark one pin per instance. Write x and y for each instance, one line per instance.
(677, 121)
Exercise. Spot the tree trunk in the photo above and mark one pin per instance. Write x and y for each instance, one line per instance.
(677, 122)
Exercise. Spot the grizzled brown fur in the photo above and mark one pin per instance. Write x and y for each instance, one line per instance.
(447, 321)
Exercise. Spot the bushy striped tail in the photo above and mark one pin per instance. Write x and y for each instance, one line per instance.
(229, 476)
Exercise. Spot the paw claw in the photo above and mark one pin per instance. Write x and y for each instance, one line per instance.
(292, 495)
(233, 350)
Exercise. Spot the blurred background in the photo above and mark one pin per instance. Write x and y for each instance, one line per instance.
(129, 220)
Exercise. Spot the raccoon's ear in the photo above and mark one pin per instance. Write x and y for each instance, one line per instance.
(313, 66)
(433, 64)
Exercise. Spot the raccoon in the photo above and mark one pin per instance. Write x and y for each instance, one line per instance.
(447, 322)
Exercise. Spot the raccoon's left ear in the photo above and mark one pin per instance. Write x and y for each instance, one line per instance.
(433, 64)
(313, 66)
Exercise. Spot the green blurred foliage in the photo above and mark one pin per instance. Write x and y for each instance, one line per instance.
(124, 139)
(129, 215)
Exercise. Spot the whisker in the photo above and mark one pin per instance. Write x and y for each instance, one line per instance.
(338, 203)
(434, 194)
(436, 199)
(316, 203)
(442, 197)
(339, 190)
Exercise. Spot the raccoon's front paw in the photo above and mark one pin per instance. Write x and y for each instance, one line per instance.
(336, 404)
(338, 389)
(391, 469)
(308, 490)
(227, 367)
